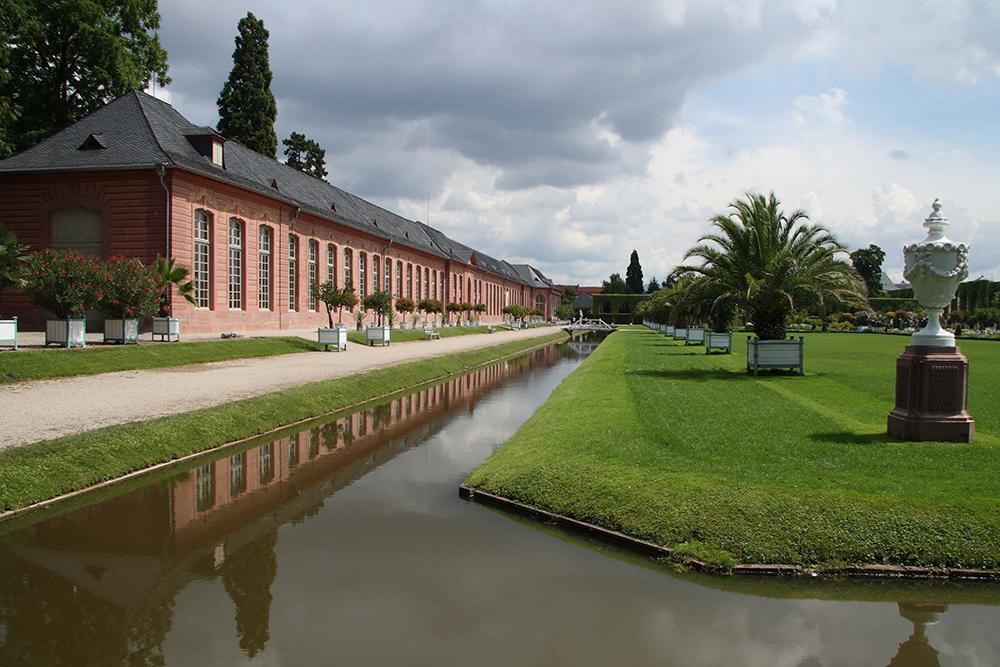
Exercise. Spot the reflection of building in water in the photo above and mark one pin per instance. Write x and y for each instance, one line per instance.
(111, 570)
(917, 650)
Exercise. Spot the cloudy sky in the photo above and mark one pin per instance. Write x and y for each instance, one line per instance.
(566, 134)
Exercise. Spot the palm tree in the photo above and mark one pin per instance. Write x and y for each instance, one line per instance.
(172, 275)
(762, 261)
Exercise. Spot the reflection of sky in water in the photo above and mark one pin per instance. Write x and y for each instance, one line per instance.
(394, 569)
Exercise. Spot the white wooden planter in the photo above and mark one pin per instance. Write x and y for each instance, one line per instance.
(668, 329)
(694, 336)
(337, 337)
(716, 340)
(8, 333)
(680, 334)
(121, 330)
(781, 354)
(70, 332)
(377, 335)
(167, 328)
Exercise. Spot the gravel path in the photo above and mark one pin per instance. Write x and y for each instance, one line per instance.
(44, 409)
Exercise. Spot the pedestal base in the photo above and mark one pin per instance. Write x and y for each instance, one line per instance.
(932, 396)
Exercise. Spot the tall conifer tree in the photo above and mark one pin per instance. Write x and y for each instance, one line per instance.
(305, 154)
(633, 275)
(247, 109)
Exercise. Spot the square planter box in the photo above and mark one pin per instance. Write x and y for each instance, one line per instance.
(669, 330)
(167, 328)
(715, 340)
(377, 335)
(70, 332)
(695, 336)
(680, 334)
(121, 330)
(337, 337)
(781, 354)
(8, 333)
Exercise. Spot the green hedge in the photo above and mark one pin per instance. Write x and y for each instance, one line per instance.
(618, 308)
(883, 304)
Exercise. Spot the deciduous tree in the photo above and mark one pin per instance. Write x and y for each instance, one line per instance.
(868, 263)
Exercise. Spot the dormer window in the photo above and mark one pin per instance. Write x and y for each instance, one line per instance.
(211, 146)
(93, 142)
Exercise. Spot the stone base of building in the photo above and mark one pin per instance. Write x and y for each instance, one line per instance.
(932, 396)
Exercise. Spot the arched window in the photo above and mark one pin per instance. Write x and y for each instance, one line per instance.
(388, 274)
(348, 260)
(376, 273)
(540, 304)
(362, 274)
(331, 264)
(264, 268)
(427, 283)
(435, 290)
(409, 281)
(235, 264)
(417, 287)
(293, 272)
(313, 272)
(78, 228)
(202, 274)
(399, 278)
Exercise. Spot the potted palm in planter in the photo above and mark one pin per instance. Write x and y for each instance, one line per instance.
(380, 303)
(172, 276)
(63, 282)
(128, 291)
(333, 298)
(404, 306)
(763, 262)
(13, 265)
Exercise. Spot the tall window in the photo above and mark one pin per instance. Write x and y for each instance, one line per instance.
(376, 272)
(313, 272)
(348, 260)
(205, 487)
(418, 283)
(427, 283)
(265, 463)
(388, 274)
(362, 274)
(264, 268)
(409, 281)
(293, 272)
(237, 474)
(399, 278)
(235, 264)
(202, 258)
(331, 264)
(435, 283)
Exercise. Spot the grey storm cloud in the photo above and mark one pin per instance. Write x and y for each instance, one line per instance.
(559, 94)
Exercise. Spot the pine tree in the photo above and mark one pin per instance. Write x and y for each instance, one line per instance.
(247, 109)
(305, 155)
(633, 275)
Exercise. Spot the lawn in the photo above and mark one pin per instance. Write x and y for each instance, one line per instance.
(407, 335)
(43, 470)
(46, 364)
(664, 443)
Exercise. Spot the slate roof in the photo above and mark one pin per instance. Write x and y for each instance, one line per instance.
(138, 130)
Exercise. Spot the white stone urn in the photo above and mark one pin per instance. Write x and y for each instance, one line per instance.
(935, 267)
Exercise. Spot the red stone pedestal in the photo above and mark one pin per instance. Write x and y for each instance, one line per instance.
(932, 396)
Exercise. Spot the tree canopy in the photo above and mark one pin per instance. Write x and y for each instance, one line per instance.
(305, 154)
(247, 109)
(759, 260)
(653, 286)
(63, 59)
(633, 275)
(868, 263)
(615, 284)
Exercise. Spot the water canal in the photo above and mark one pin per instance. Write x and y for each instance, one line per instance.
(346, 543)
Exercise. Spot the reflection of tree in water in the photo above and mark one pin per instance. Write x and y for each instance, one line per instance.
(917, 650)
(49, 620)
(247, 575)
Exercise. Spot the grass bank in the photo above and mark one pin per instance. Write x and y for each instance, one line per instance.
(47, 364)
(43, 470)
(666, 444)
(407, 335)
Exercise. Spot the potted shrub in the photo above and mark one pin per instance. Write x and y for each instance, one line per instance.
(332, 298)
(453, 310)
(380, 303)
(127, 291)
(480, 308)
(763, 263)
(425, 306)
(404, 306)
(63, 282)
(172, 276)
(467, 309)
(435, 308)
(13, 266)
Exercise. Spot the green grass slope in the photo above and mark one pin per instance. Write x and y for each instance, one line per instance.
(665, 443)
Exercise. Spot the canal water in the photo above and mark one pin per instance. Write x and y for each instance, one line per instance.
(346, 543)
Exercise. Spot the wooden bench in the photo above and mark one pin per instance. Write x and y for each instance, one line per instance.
(780, 354)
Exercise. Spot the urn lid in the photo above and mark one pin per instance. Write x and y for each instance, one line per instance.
(935, 222)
